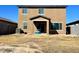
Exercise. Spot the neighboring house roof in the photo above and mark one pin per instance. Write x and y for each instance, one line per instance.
(39, 17)
(71, 23)
(42, 6)
(7, 20)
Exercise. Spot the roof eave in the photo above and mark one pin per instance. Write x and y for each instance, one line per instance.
(42, 6)
(71, 23)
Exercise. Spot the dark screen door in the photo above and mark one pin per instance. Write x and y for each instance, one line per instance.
(41, 26)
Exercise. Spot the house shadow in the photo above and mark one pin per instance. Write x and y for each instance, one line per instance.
(19, 30)
(53, 32)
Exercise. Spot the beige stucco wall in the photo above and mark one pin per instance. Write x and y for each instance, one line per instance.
(55, 14)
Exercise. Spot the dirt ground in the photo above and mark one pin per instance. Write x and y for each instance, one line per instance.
(23, 43)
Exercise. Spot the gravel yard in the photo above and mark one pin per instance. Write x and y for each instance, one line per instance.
(23, 43)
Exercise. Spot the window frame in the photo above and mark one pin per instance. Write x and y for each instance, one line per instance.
(40, 12)
(24, 24)
(59, 28)
(25, 11)
(24, 21)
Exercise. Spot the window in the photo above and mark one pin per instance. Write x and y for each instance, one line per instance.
(24, 17)
(24, 10)
(41, 11)
(24, 22)
(56, 26)
(24, 25)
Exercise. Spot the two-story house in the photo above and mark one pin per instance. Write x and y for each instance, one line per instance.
(49, 19)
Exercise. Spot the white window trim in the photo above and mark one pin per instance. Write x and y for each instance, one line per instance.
(23, 24)
(43, 11)
(24, 21)
(24, 18)
(25, 13)
(59, 25)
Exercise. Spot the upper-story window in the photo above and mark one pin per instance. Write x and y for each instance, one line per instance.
(25, 25)
(56, 26)
(24, 22)
(41, 11)
(24, 10)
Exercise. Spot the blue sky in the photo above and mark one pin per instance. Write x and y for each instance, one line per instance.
(72, 13)
(11, 12)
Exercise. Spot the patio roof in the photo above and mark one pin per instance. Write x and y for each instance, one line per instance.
(39, 17)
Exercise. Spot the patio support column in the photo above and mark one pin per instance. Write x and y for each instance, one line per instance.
(47, 27)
